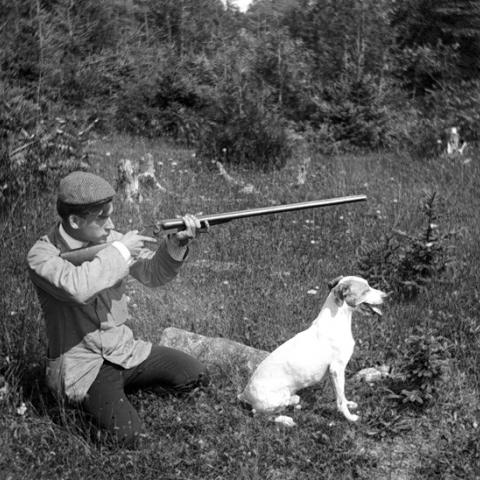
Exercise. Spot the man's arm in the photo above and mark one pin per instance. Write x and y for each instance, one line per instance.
(69, 283)
(156, 269)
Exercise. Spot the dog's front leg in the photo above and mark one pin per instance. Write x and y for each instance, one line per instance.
(337, 374)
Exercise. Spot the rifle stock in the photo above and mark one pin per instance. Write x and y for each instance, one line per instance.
(78, 256)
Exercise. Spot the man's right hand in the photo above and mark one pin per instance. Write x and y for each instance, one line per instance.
(134, 242)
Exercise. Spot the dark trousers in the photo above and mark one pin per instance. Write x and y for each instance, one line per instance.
(165, 369)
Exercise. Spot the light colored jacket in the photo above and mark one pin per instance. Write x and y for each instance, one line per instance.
(85, 309)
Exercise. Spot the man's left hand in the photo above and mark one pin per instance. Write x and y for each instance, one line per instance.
(192, 228)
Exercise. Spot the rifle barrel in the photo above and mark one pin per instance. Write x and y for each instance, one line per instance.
(215, 219)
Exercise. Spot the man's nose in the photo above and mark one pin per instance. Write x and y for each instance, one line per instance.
(109, 225)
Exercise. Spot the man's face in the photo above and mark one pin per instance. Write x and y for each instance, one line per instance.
(96, 226)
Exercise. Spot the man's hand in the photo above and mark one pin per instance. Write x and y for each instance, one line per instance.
(192, 227)
(134, 242)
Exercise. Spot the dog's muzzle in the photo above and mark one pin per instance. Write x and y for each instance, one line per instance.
(369, 309)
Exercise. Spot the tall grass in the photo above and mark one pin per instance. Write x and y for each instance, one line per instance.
(249, 281)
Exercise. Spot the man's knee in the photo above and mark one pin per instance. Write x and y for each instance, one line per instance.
(197, 377)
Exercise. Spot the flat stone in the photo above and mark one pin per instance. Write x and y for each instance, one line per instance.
(213, 351)
(372, 375)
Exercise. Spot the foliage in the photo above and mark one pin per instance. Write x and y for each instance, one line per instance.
(160, 68)
(163, 102)
(407, 264)
(354, 111)
(249, 282)
(441, 38)
(35, 152)
(423, 368)
(455, 105)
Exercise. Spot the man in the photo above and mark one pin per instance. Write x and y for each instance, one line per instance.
(92, 355)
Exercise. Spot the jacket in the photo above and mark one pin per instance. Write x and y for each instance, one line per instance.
(85, 308)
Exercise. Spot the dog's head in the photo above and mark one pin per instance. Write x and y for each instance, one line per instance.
(356, 292)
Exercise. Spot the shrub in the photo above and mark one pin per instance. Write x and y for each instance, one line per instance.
(423, 368)
(160, 103)
(35, 152)
(406, 264)
(354, 111)
(250, 137)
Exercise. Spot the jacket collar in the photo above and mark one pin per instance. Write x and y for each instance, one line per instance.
(62, 240)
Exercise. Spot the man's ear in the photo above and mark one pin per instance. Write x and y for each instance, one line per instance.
(74, 221)
(334, 282)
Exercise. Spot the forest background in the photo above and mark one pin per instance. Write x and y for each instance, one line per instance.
(239, 87)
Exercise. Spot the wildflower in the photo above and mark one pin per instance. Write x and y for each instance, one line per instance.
(4, 388)
(21, 410)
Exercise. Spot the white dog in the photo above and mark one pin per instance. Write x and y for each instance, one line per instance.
(303, 360)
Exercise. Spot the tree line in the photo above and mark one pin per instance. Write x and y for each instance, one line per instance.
(343, 74)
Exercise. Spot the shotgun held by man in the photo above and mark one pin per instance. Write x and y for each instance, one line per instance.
(78, 256)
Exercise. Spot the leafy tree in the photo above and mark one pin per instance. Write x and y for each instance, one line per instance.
(436, 40)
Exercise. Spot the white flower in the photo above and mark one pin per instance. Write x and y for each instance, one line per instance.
(22, 409)
(312, 291)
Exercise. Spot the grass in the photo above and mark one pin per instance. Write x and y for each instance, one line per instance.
(249, 281)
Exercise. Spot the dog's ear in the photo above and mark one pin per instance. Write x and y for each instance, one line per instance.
(333, 283)
(340, 292)
(344, 293)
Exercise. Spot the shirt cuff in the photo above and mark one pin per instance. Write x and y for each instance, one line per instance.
(175, 251)
(124, 251)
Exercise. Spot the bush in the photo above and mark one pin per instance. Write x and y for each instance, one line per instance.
(162, 102)
(406, 264)
(35, 152)
(354, 112)
(250, 137)
(423, 368)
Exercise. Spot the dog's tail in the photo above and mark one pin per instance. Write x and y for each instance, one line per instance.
(244, 402)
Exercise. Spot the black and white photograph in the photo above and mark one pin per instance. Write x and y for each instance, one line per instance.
(240, 239)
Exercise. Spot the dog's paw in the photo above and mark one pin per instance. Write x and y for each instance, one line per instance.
(353, 418)
(352, 405)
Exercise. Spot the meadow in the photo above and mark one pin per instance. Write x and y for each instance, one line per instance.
(259, 282)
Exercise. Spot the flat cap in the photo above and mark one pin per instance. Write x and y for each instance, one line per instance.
(84, 188)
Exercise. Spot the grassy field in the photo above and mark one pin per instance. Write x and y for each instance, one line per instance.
(259, 282)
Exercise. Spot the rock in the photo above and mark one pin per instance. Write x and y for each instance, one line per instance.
(213, 351)
(372, 375)
(285, 421)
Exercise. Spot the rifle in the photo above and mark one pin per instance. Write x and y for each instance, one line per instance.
(80, 255)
